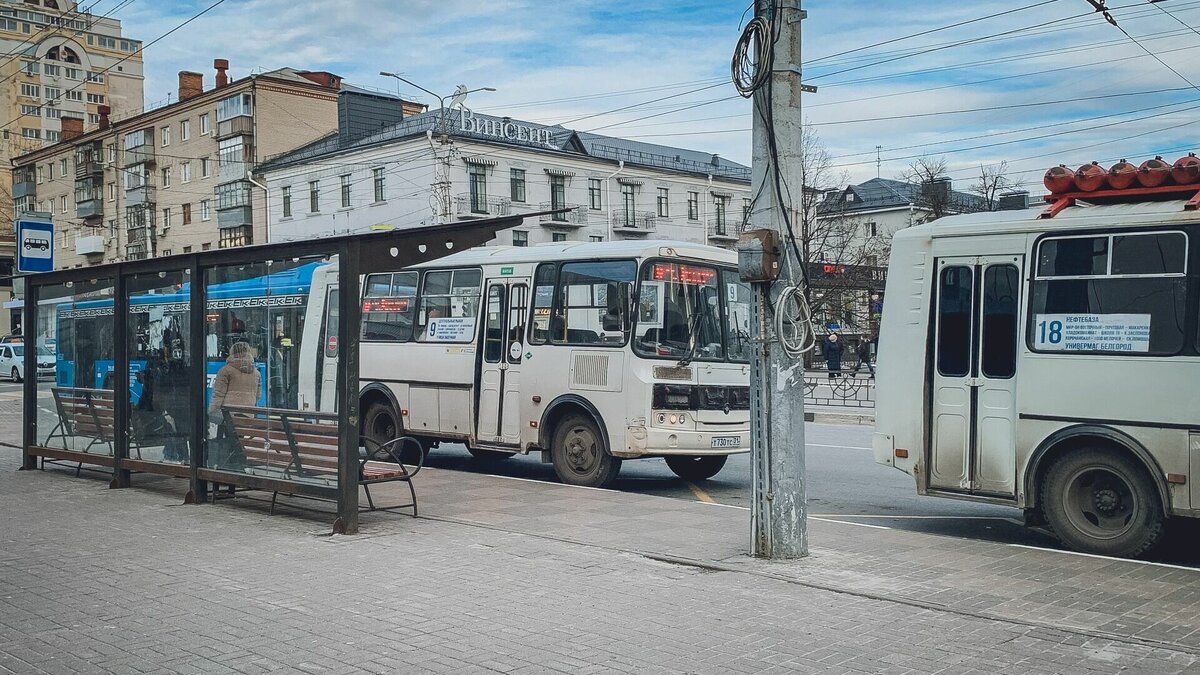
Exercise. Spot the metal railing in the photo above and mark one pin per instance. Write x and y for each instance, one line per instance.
(644, 221)
(722, 228)
(467, 204)
(844, 390)
(576, 216)
(669, 162)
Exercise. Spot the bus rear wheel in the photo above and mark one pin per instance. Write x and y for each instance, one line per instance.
(1099, 500)
(696, 467)
(579, 456)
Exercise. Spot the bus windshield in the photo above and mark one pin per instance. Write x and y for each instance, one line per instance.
(692, 312)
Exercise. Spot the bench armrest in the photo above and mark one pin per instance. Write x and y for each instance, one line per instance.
(391, 451)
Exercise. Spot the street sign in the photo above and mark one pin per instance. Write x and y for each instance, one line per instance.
(35, 245)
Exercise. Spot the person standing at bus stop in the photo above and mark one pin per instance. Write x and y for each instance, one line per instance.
(833, 355)
(238, 383)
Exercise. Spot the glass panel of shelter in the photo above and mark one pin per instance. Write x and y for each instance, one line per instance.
(271, 360)
(73, 335)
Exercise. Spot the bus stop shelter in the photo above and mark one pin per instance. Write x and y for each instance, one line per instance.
(137, 349)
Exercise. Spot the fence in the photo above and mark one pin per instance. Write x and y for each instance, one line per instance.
(844, 391)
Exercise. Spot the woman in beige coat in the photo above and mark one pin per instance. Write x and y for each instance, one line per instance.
(238, 383)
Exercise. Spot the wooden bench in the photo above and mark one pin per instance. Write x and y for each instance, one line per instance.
(303, 444)
(84, 413)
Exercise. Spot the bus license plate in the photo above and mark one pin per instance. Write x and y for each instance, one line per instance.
(727, 441)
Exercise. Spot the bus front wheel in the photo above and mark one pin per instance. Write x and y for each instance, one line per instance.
(696, 467)
(579, 456)
(381, 424)
(1100, 500)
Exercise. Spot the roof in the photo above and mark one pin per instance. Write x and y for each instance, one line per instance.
(885, 193)
(1080, 217)
(492, 255)
(550, 139)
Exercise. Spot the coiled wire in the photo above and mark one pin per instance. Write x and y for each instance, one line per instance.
(793, 323)
(752, 57)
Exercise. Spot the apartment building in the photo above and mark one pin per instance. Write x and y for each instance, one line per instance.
(176, 179)
(60, 61)
(456, 165)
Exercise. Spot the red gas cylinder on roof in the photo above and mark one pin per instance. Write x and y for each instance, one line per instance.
(1090, 177)
(1059, 179)
(1122, 175)
(1154, 172)
(1186, 170)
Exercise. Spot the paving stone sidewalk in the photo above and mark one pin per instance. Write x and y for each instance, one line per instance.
(121, 581)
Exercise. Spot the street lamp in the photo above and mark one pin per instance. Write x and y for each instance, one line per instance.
(459, 94)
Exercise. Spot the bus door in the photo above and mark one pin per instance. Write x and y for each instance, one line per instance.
(503, 350)
(327, 363)
(973, 440)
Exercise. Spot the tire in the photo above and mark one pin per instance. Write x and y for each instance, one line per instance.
(488, 455)
(579, 455)
(696, 467)
(16, 376)
(381, 424)
(1100, 500)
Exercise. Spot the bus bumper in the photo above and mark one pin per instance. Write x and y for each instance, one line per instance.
(642, 441)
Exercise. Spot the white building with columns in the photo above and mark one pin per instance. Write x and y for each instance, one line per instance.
(440, 167)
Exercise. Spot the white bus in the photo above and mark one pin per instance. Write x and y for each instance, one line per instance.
(590, 353)
(1051, 364)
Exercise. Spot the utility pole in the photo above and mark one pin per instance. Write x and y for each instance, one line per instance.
(878, 161)
(779, 515)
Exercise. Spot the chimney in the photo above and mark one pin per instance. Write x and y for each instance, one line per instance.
(104, 111)
(716, 160)
(221, 65)
(72, 127)
(191, 84)
(940, 189)
(322, 77)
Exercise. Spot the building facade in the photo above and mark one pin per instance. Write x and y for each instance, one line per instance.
(60, 62)
(451, 165)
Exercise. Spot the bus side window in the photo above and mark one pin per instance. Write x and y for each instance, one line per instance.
(451, 295)
(954, 321)
(543, 302)
(517, 301)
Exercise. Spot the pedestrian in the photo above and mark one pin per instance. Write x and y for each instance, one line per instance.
(864, 357)
(238, 383)
(833, 355)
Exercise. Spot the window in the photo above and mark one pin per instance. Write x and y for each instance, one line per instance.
(745, 213)
(98, 78)
(52, 135)
(558, 192)
(93, 118)
(112, 153)
(449, 306)
(112, 192)
(185, 130)
(74, 74)
(314, 196)
(520, 238)
(53, 113)
(97, 99)
(693, 206)
(166, 251)
(286, 196)
(165, 136)
(871, 229)
(62, 168)
(389, 306)
(664, 202)
(955, 286)
(166, 217)
(166, 177)
(74, 95)
(377, 180)
(234, 106)
(998, 331)
(345, 190)
(517, 185)
(31, 67)
(1118, 293)
(185, 172)
(233, 195)
(737, 297)
(62, 204)
(53, 70)
(591, 304)
(187, 214)
(594, 201)
(558, 236)
(187, 249)
(720, 210)
(205, 171)
(477, 182)
(31, 90)
(595, 238)
(629, 204)
(205, 209)
(41, 175)
(205, 127)
(679, 312)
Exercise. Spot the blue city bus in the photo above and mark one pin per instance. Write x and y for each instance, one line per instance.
(268, 312)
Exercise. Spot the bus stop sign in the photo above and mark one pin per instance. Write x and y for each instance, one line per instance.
(35, 245)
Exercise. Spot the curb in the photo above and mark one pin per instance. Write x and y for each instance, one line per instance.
(840, 418)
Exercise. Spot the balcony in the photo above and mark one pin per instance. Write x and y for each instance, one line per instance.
(141, 195)
(87, 168)
(90, 208)
(721, 230)
(242, 125)
(634, 222)
(24, 188)
(234, 217)
(139, 154)
(469, 205)
(90, 245)
(576, 217)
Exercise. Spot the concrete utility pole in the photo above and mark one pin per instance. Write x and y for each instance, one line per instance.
(779, 520)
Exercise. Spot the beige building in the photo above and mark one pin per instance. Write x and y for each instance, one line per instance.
(59, 62)
(175, 179)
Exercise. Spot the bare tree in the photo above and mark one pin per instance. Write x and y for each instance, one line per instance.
(932, 176)
(992, 182)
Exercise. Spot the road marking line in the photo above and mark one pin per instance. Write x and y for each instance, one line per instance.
(849, 522)
(1107, 557)
(903, 517)
(700, 494)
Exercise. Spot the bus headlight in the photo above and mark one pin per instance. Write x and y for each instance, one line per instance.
(662, 419)
(674, 419)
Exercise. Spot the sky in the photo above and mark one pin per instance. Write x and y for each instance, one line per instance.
(1059, 84)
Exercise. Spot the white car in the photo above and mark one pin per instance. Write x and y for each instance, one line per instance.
(12, 362)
